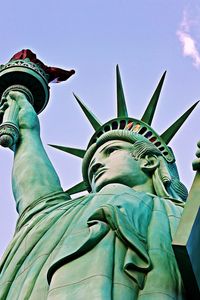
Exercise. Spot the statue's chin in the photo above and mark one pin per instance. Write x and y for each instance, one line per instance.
(99, 186)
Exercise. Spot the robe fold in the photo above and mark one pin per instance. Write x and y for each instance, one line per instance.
(115, 244)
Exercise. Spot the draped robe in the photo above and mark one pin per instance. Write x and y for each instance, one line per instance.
(114, 244)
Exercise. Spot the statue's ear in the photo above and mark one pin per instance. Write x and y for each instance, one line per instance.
(149, 163)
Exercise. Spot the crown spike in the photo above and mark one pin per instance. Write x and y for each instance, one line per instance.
(150, 110)
(91, 117)
(172, 130)
(74, 151)
(79, 187)
(121, 103)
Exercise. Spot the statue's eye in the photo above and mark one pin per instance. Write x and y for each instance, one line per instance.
(111, 149)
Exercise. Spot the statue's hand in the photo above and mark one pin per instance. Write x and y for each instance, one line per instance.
(27, 116)
(196, 162)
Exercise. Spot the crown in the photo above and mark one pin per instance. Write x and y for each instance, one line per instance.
(125, 128)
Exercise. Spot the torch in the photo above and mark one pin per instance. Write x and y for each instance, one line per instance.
(27, 74)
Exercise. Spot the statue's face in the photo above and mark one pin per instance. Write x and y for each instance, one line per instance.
(113, 163)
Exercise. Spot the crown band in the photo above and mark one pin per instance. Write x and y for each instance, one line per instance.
(136, 126)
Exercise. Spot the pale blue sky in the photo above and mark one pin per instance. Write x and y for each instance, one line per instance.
(92, 36)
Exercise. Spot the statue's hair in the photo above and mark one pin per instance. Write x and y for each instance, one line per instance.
(167, 172)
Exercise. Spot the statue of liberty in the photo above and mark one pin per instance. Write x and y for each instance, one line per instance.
(112, 243)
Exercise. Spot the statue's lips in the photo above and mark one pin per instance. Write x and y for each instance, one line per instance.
(99, 173)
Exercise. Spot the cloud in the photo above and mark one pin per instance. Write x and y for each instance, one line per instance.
(188, 42)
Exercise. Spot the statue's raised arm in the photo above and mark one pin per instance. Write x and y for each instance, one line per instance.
(24, 93)
(33, 174)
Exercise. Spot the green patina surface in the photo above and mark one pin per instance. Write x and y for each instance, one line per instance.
(113, 243)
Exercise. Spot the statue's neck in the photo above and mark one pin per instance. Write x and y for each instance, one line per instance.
(146, 187)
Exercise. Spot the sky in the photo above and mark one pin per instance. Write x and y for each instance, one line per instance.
(144, 37)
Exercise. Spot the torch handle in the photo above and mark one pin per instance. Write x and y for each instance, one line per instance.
(9, 129)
